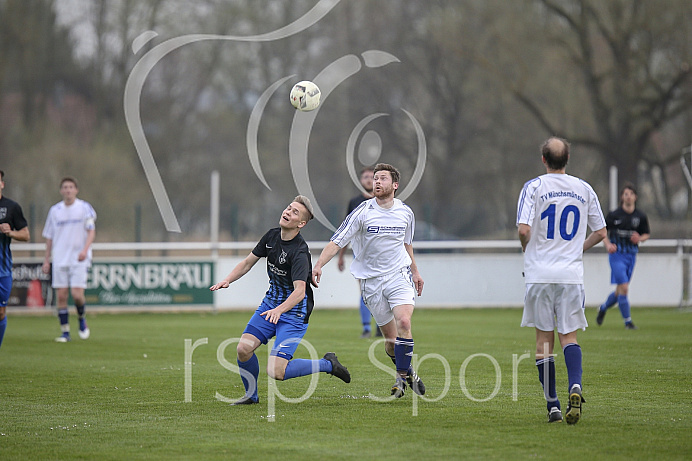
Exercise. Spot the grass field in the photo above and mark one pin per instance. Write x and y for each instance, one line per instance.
(121, 394)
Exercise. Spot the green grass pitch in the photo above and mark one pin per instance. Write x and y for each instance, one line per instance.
(122, 393)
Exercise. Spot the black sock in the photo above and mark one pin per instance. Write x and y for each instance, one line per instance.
(391, 357)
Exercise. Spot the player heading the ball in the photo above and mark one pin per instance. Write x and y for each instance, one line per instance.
(286, 307)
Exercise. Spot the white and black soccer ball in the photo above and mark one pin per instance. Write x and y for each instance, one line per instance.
(305, 96)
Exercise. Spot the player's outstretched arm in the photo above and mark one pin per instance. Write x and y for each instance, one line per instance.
(238, 271)
(327, 254)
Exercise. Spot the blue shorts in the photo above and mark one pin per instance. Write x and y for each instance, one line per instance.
(5, 289)
(621, 267)
(288, 331)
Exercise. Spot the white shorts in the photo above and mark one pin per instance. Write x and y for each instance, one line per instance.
(550, 305)
(70, 276)
(382, 294)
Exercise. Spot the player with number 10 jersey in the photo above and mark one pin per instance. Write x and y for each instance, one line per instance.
(558, 207)
(553, 213)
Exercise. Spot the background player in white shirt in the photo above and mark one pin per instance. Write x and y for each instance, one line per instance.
(381, 233)
(553, 213)
(69, 232)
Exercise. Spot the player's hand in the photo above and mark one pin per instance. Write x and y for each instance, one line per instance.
(272, 315)
(316, 276)
(46, 267)
(612, 248)
(341, 264)
(218, 286)
(82, 255)
(634, 238)
(418, 283)
(5, 228)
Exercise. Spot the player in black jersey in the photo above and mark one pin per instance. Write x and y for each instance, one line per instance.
(627, 228)
(12, 226)
(286, 307)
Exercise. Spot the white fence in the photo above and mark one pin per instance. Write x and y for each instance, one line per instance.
(456, 273)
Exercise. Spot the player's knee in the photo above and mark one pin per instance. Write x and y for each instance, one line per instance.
(244, 351)
(403, 324)
(543, 350)
(78, 296)
(623, 289)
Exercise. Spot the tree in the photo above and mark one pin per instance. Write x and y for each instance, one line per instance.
(35, 54)
(633, 58)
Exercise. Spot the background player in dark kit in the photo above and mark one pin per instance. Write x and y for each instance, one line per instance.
(12, 226)
(627, 228)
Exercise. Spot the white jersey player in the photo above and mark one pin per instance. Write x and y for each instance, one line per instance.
(380, 248)
(381, 232)
(553, 214)
(559, 208)
(69, 232)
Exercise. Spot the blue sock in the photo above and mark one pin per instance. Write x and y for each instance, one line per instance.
(624, 304)
(403, 352)
(3, 326)
(410, 368)
(610, 302)
(364, 315)
(252, 367)
(572, 354)
(303, 367)
(549, 391)
(64, 317)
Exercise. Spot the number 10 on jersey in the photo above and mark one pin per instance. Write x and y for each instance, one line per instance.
(549, 214)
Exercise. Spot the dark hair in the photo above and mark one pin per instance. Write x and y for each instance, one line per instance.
(556, 153)
(2, 175)
(630, 186)
(387, 167)
(69, 179)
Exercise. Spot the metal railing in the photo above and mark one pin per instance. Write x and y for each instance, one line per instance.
(680, 245)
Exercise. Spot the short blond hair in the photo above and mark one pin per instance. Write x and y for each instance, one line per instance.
(303, 200)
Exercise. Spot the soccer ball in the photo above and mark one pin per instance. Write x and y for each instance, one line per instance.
(305, 96)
